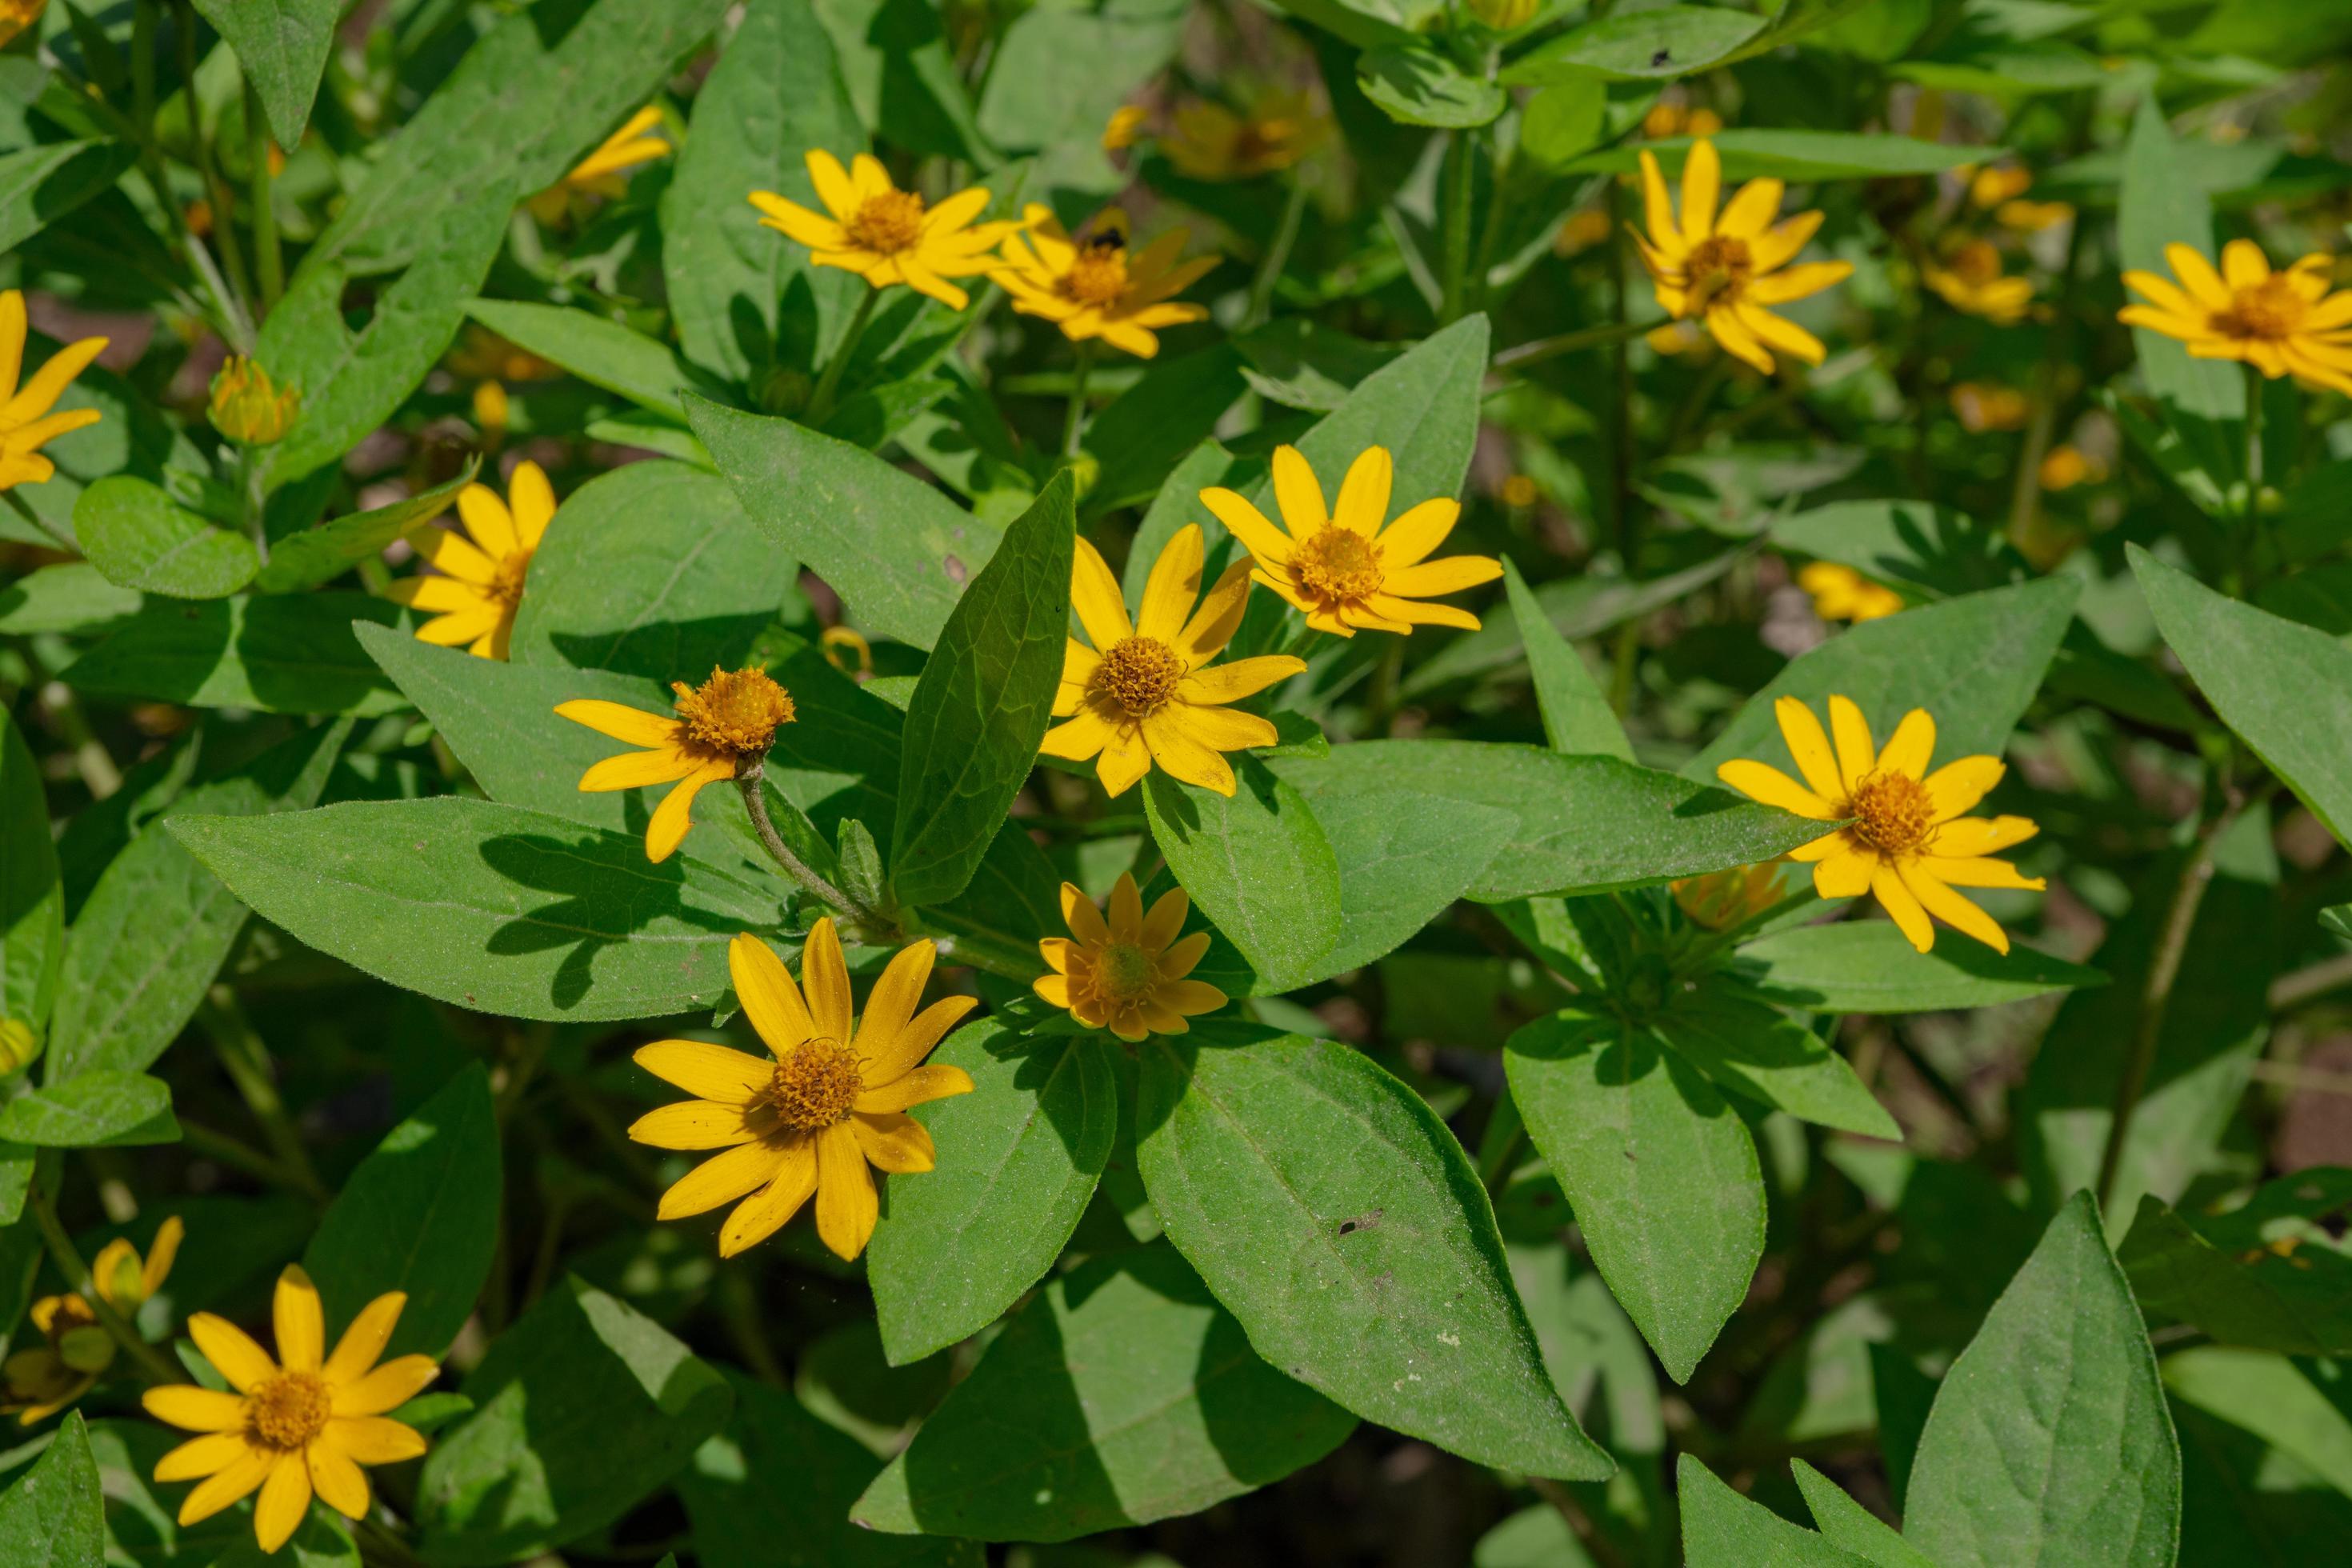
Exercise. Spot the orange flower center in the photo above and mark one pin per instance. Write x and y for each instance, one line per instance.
(506, 584)
(1140, 673)
(1098, 274)
(287, 1411)
(1717, 271)
(1977, 263)
(1892, 813)
(815, 1086)
(2270, 309)
(736, 711)
(1337, 564)
(888, 223)
(1125, 972)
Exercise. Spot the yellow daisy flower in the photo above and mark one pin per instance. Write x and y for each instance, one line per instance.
(1210, 141)
(2065, 467)
(1097, 287)
(25, 422)
(885, 235)
(1146, 691)
(1907, 843)
(604, 173)
(1719, 901)
(814, 1117)
(1841, 594)
(1341, 567)
(1128, 974)
(16, 15)
(1125, 123)
(75, 1347)
(301, 1424)
(1999, 190)
(728, 721)
(1725, 270)
(2282, 323)
(480, 581)
(1970, 279)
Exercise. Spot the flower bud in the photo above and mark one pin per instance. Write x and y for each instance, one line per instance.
(248, 407)
(1505, 16)
(19, 1046)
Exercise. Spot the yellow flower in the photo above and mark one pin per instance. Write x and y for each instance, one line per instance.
(25, 422)
(75, 1349)
(885, 235)
(1674, 119)
(1722, 899)
(298, 1424)
(493, 409)
(1999, 190)
(813, 1117)
(1678, 338)
(723, 725)
(1097, 286)
(1972, 281)
(248, 406)
(1125, 125)
(1841, 594)
(1521, 492)
(1211, 142)
(1908, 843)
(20, 1044)
(2282, 323)
(481, 579)
(1145, 693)
(16, 15)
(1341, 567)
(2067, 466)
(604, 173)
(1506, 15)
(1585, 228)
(1724, 271)
(1128, 976)
(1983, 406)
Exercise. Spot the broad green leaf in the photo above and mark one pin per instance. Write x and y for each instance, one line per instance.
(1095, 57)
(140, 1523)
(1795, 155)
(1661, 1174)
(901, 72)
(1577, 718)
(492, 908)
(2267, 1274)
(72, 596)
(580, 1409)
(897, 549)
(1845, 1523)
(2203, 400)
(1143, 438)
(2270, 680)
(1403, 857)
(92, 1109)
(41, 185)
(140, 538)
(55, 1515)
(281, 45)
(959, 1245)
(1658, 44)
(1176, 504)
(599, 350)
(323, 553)
(1121, 1395)
(1911, 542)
(1367, 24)
(420, 1216)
(1302, 363)
(1973, 663)
(1563, 120)
(2244, 1500)
(1869, 966)
(276, 653)
(1337, 1217)
(2273, 1398)
(1257, 864)
(983, 703)
(32, 896)
(1754, 1051)
(1418, 83)
(651, 569)
(2049, 1441)
(1723, 1529)
(154, 932)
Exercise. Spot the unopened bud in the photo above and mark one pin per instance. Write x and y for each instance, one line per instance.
(248, 407)
(19, 1045)
(1505, 16)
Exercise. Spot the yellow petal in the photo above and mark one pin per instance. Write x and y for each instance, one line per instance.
(911, 1044)
(201, 1456)
(708, 1071)
(285, 1499)
(1956, 786)
(846, 1207)
(1085, 921)
(1094, 594)
(1363, 503)
(1979, 872)
(1416, 531)
(1809, 743)
(1124, 911)
(299, 1322)
(1843, 876)
(372, 1439)
(1259, 536)
(630, 726)
(1219, 617)
(693, 1124)
(1953, 910)
(364, 1340)
(1913, 744)
(229, 1484)
(1702, 184)
(231, 1351)
(388, 1387)
(488, 519)
(1184, 756)
(1857, 753)
(194, 1409)
(1298, 495)
(771, 1000)
(1762, 781)
(824, 980)
(917, 1085)
(1970, 836)
(891, 1006)
(531, 502)
(667, 830)
(1899, 901)
(639, 770)
(764, 1214)
(1174, 586)
(339, 1483)
(724, 1178)
(896, 1143)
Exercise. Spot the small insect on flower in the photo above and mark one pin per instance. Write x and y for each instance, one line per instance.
(299, 1423)
(1909, 844)
(1146, 691)
(1128, 974)
(812, 1118)
(480, 588)
(248, 406)
(1210, 141)
(604, 173)
(1724, 271)
(1341, 567)
(1970, 279)
(722, 727)
(2282, 323)
(1097, 286)
(75, 1349)
(1841, 594)
(25, 422)
(885, 235)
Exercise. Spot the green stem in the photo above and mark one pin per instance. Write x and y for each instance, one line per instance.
(820, 404)
(217, 192)
(70, 1263)
(1462, 162)
(1074, 421)
(2253, 442)
(1278, 255)
(270, 257)
(239, 1155)
(755, 803)
(245, 1058)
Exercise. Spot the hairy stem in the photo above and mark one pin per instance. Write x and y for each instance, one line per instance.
(799, 870)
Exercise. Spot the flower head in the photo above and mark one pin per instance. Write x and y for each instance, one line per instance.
(480, 584)
(1128, 974)
(1097, 286)
(248, 406)
(721, 727)
(2282, 323)
(75, 1349)
(2066, 466)
(1907, 842)
(16, 15)
(299, 1424)
(1983, 406)
(1719, 901)
(604, 173)
(1841, 594)
(1125, 123)
(1723, 269)
(810, 1118)
(1146, 691)
(25, 422)
(1341, 566)
(885, 235)
(2000, 190)
(1211, 142)
(1970, 279)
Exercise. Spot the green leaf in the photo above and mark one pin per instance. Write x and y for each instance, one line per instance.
(323, 553)
(419, 1214)
(155, 930)
(92, 1109)
(1754, 1051)
(1577, 719)
(580, 1409)
(1257, 864)
(2301, 1420)
(1335, 1214)
(1796, 156)
(1845, 1523)
(41, 185)
(1723, 1529)
(281, 45)
(2199, 397)
(141, 1525)
(897, 61)
(1095, 57)
(274, 653)
(1869, 966)
(1912, 542)
(2267, 1274)
(140, 538)
(1563, 120)
(55, 1516)
(71, 597)
(1661, 1174)
(653, 570)
(1121, 1395)
(599, 350)
(1367, 24)
(1403, 857)
(1656, 45)
(492, 908)
(32, 895)
(2268, 678)
(958, 1246)
(1302, 363)
(983, 703)
(897, 549)
(1149, 430)
(1417, 83)
(2049, 1441)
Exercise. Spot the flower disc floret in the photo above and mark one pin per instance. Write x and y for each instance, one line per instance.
(736, 711)
(1339, 564)
(1891, 812)
(1140, 674)
(888, 223)
(817, 1085)
(287, 1411)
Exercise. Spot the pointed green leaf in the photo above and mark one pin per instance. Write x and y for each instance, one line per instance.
(1869, 966)
(2268, 1274)
(600, 352)
(92, 1109)
(1577, 718)
(1754, 1051)
(323, 553)
(41, 185)
(1723, 1529)
(281, 45)
(1845, 1523)
(1257, 864)
(276, 653)
(2199, 397)
(55, 1516)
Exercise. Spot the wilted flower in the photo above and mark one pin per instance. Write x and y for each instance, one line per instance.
(885, 235)
(16, 15)
(1129, 975)
(2282, 323)
(75, 1347)
(2064, 466)
(1678, 119)
(840, 644)
(481, 583)
(728, 720)
(1097, 286)
(1722, 899)
(1999, 191)
(1841, 594)
(25, 422)
(248, 406)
